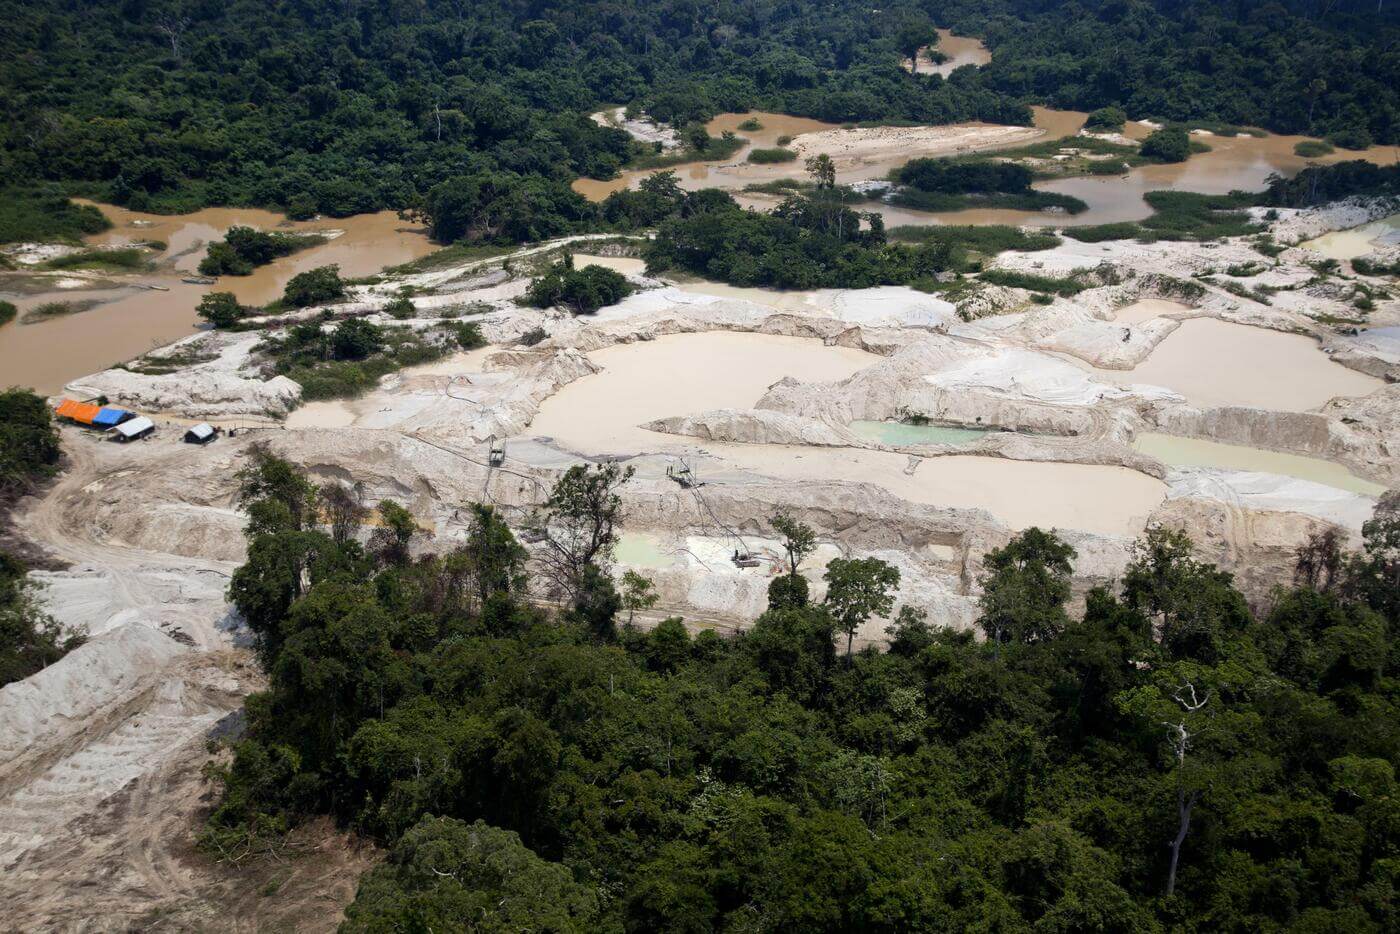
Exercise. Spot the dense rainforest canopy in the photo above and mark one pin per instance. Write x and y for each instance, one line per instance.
(349, 106)
(1164, 759)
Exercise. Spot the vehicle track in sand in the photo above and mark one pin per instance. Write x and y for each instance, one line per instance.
(101, 787)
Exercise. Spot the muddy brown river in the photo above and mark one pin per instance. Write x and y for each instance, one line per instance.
(138, 313)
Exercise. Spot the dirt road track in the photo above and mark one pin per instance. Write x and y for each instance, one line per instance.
(101, 785)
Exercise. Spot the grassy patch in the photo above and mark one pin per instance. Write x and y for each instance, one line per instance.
(450, 256)
(126, 258)
(771, 156)
(717, 149)
(57, 310)
(1055, 285)
(1007, 200)
(988, 240)
(1312, 148)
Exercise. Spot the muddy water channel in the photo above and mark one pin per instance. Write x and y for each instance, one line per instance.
(1242, 162)
(133, 313)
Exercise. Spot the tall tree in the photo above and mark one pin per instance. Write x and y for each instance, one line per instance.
(856, 590)
(1024, 593)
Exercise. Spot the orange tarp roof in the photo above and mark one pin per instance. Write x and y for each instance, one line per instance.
(78, 411)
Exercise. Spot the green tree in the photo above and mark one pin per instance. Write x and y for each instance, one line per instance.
(355, 339)
(638, 593)
(1025, 589)
(857, 589)
(579, 523)
(913, 34)
(392, 538)
(496, 559)
(30, 639)
(1169, 144)
(447, 875)
(314, 287)
(29, 445)
(822, 170)
(799, 540)
(220, 309)
(1191, 605)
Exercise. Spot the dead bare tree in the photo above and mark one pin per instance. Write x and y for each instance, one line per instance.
(173, 27)
(1179, 735)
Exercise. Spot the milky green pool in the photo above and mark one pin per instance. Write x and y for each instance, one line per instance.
(898, 434)
(1175, 451)
(642, 550)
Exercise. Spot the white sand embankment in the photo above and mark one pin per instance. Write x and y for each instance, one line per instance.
(863, 146)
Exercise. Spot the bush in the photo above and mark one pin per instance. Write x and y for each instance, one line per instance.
(1106, 118)
(1312, 148)
(1097, 233)
(7, 312)
(1033, 283)
(400, 308)
(533, 336)
(29, 215)
(1169, 144)
(314, 287)
(220, 309)
(770, 156)
(1351, 138)
(355, 339)
(582, 291)
(469, 336)
(244, 248)
(29, 448)
(990, 239)
(951, 177)
(751, 125)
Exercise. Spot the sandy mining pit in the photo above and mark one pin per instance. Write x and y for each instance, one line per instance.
(1219, 363)
(1027, 414)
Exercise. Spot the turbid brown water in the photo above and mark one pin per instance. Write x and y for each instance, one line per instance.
(960, 50)
(1219, 363)
(689, 373)
(135, 318)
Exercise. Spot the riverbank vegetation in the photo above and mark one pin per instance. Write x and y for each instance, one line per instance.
(1164, 757)
(582, 291)
(290, 107)
(30, 639)
(42, 214)
(956, 185)
(348, 358)
(243, 249)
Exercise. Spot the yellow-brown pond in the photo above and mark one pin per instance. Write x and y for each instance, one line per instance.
(689, 373)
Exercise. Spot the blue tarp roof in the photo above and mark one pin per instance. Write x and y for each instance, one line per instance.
(108, 416)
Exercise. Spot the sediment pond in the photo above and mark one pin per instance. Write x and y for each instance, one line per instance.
(690, 373)
(1175, 451)
(899, 434)
(1219, 363)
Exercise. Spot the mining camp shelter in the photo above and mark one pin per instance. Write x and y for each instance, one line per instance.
(81, 412)
(132, 429)
(202, 433)
(97, 416)
(110, 417)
